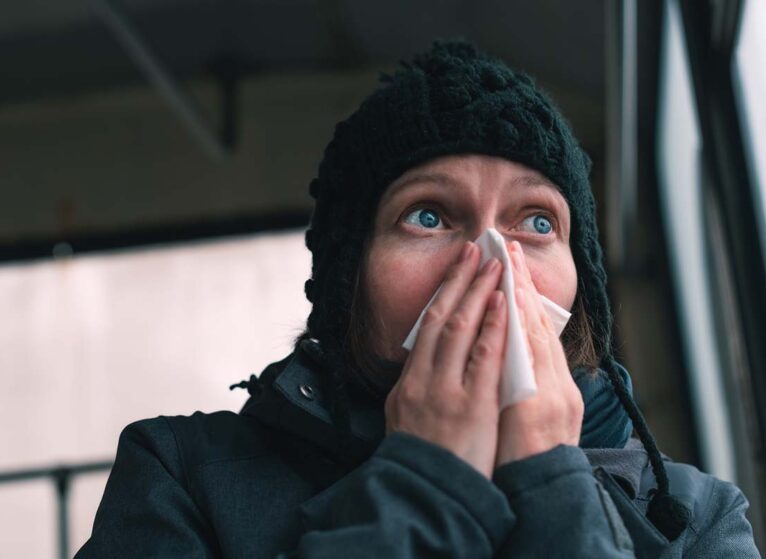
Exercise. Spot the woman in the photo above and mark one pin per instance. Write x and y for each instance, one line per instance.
(352, 447)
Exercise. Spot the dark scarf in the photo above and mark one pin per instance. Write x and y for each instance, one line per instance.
(606, 423)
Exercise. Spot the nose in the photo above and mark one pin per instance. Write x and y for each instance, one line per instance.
(475, 232)
(478, 226)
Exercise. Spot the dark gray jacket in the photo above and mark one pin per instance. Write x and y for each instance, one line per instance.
(269, 482)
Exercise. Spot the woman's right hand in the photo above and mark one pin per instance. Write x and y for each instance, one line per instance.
(448, 391)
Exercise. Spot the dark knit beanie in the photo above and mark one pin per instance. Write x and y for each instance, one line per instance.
(454, 99)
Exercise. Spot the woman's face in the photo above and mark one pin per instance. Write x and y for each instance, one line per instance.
(426, 215)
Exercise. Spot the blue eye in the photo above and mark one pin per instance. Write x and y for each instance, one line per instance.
(540, 224)
(425, 217)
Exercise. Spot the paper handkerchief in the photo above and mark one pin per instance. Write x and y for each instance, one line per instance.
(517, 380)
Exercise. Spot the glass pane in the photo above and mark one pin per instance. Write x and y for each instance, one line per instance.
(750, 81)
(679, 154)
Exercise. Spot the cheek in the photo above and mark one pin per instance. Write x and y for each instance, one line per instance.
(556, 278)
(399, 286)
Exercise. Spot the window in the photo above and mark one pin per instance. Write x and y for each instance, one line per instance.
(750, 84)
(680, 150)
(94, 342)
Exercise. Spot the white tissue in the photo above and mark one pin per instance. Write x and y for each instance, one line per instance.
(517, 380)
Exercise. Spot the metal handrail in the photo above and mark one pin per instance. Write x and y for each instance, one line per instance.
(61, 476)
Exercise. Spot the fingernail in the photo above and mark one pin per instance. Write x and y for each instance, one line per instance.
(466, 253)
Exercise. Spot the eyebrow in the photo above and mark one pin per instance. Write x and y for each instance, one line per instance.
(528, 180)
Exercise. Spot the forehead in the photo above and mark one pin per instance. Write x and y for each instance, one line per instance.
(463, 171)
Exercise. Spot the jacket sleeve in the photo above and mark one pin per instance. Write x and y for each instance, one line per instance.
(561, 509)
(146, 511)
(410, 499)
(727, 532)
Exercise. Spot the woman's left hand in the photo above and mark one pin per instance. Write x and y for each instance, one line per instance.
(554, 415)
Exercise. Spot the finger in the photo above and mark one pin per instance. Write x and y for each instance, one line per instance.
(559, 365)
(554, 342)
(519, 295)
(456, 282)
(559, 358)
(537, 340)
(536, 310)
(537, 299)
(482, 372)
(537, 333)
(462, 328)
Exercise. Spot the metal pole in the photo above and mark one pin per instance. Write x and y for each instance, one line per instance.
(61, 479)
(159, 76)
(622, 134)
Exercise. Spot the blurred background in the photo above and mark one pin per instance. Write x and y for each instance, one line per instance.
(155, 158)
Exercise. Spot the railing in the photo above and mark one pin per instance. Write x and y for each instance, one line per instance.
(61, 476)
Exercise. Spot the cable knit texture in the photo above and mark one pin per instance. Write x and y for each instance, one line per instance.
(452, 99)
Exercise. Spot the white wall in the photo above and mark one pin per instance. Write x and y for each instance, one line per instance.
(92, 343)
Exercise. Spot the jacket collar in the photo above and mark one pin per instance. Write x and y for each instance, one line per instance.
(626, 465)
(291, 397)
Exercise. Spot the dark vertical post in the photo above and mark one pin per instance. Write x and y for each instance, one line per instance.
(622, 135)
(61, 478)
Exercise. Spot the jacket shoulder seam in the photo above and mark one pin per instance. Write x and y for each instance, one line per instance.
(181, 458)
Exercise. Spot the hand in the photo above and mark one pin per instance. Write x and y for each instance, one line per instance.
(554, 415)
(448, 391)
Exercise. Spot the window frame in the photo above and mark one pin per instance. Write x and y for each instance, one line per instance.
(711, 31)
